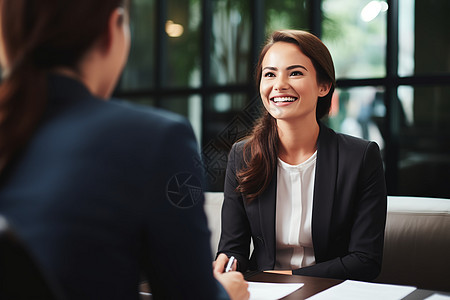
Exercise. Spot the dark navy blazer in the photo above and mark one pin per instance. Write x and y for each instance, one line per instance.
(348, 218)
(92, 195)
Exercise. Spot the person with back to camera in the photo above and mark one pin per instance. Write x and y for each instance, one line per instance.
(313, 201)
(84, 181)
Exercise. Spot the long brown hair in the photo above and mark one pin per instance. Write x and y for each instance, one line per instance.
(261, 148)
(37, 37)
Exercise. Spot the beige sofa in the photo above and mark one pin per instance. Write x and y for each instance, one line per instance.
(417, 240)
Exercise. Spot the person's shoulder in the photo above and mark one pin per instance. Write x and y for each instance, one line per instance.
(357, 147)
(240, 149)
(138, 127)
(143, 113)
(349, 144)
(239, 145)
(351, 141)
(125, 116)
(342, 138)
(238, 152)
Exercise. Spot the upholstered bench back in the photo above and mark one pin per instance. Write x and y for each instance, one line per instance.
(417, 243)
(213, 208)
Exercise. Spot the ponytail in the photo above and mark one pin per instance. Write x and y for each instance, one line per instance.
(23, 87)
(260, 158)
(22, 100)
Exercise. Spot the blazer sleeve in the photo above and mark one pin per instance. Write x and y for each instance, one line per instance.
(177, 255)
(235, 233)
(363, 256)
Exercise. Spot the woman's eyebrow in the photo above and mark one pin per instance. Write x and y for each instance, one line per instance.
(295, 67)
(270, 68)
(288, 68)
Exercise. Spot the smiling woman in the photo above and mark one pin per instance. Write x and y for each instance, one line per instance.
(312, 200)
(316, 67)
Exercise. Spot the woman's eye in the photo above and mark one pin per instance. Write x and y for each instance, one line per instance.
(296, 73)
(269, 74)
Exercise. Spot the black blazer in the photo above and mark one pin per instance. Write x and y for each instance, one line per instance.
(349, 212)
(91, 197)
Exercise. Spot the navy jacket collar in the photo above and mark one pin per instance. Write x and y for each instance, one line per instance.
(63, 87)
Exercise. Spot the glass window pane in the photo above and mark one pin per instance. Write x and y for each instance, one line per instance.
(355, 33)
(231, 42)
(287, 14)
(139, 71)
(359, 112)
(406, 37)
(183, 43)
(424, 46)
(424, 161)
(223, 110)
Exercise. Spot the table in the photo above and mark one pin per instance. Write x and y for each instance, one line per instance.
(314, 285)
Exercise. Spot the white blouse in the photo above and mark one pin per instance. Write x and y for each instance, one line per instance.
(295, 190)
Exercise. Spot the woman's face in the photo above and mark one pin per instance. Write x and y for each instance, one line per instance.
(288, 87)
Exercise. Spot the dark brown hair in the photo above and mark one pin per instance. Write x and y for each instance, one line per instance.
(38, 36)
(261, 148)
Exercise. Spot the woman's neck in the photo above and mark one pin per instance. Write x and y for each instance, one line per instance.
(92, 71)
(297, 141)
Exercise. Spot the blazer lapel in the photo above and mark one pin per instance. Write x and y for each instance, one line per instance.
(324, 189)
(267, 207)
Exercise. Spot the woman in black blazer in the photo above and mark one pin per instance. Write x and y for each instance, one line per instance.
(312, 201)
(100, 191)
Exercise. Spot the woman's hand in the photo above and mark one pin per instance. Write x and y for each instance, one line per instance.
(234, 283)
(221, 262)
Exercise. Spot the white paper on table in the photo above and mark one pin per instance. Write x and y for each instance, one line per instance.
(438, 297)
(271, 291)
(357, 290)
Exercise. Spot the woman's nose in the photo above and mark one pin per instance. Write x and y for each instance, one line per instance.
(281, 83)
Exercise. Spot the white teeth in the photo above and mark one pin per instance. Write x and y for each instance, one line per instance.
(284, 99)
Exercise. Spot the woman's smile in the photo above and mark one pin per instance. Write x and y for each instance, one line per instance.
(283, 99)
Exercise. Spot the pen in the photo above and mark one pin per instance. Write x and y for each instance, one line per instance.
(230, 264)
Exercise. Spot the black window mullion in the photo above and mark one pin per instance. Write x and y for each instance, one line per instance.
(206, 30)
(161, 49)
(258, 31)
(315, 17)
(258, 36)
(391, 99)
